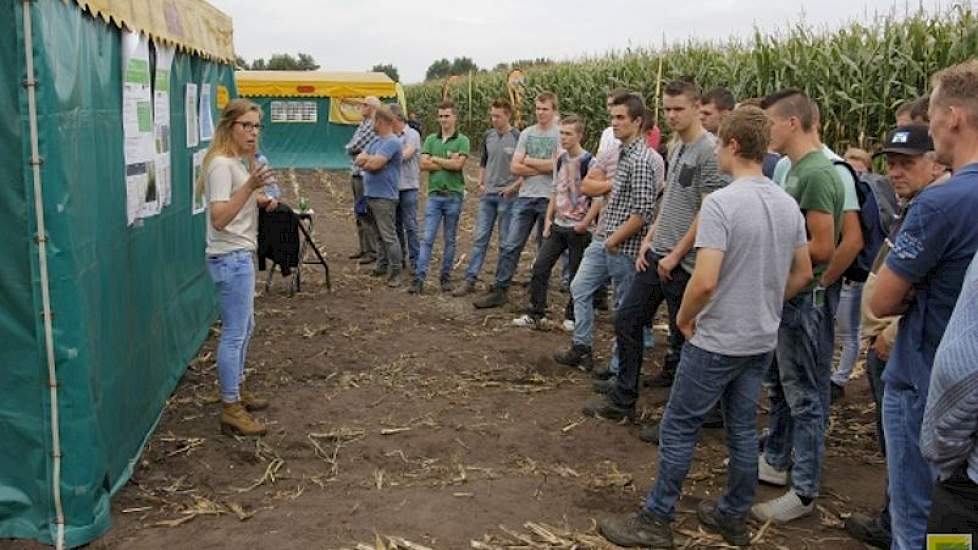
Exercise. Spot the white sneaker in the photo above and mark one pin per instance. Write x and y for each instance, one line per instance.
(768, 474)
(783, 509)
(525, 321)
(567, 325)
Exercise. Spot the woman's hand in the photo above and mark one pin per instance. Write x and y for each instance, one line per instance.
(259, 177)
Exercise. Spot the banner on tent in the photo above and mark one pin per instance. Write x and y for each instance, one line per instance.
(345, 111)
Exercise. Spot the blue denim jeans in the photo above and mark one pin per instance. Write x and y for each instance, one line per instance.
(407, 226)
(911, 478)
(440, 210)
(526, 213)
(849, 317)
(494, 210)
(598, 264)
(795, 385)
(234, 275)
(702, 380)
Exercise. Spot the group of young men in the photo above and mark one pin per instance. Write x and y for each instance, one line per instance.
(751, 231)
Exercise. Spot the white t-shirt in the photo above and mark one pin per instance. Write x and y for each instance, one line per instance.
(224, 177)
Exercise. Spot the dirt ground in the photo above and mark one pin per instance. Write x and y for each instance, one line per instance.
(398, 419)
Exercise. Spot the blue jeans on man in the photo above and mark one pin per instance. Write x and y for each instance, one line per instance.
(598, 264)
(911, 477)
(526, 213)
(702, 380)
(440, 210)
(494, 210)
(234, 275)
(407, 227)
(796, 381)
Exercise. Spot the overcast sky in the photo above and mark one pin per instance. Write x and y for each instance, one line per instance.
(356, 34)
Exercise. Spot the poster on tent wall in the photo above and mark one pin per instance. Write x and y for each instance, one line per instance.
(197, 192)
(137, 127)
(190, 108)
(161, 112)
(206, 113)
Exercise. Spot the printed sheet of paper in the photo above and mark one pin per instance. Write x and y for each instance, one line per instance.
(137, 127)
(161, 102)
(199, 201)
(206, 113)
(190, 108)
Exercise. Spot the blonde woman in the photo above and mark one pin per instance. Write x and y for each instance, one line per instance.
(231, 183)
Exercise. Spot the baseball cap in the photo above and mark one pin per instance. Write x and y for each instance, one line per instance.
(912, 139)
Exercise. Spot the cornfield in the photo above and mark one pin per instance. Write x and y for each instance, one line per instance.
(858, 75)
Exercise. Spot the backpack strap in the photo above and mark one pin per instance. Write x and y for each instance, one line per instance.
(585, 163)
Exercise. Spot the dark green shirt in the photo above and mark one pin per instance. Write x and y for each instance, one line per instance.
(814, 182)
(446, 180)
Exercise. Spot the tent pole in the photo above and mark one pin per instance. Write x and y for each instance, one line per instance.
(35, 161)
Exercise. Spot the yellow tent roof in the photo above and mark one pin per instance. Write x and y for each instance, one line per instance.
(190, 25)
(314, 84)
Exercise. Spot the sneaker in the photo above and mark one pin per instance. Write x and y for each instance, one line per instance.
(577, 355)
(378, 272)
(768, 474)
(869, 531)
(650, 433)
(365, 259)
(643, 529)
(661, 380)
(446, 285)
(604, 387)
(603, 407)
(733, 531)
(838, 392)
(495, 298)
(525, 321)
(252, 402)
(785, 508)
(417, 287)
(394, 281)
(464, 290)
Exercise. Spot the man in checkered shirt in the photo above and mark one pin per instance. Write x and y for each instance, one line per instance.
(364, 136)
(624, 220)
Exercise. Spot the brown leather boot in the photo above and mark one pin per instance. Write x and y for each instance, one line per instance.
(252, 402)
(235, 420)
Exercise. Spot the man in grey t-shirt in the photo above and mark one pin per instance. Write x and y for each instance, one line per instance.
(752, 254)
(407, 204)
(533, 160)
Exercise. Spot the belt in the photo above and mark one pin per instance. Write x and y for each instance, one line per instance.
(443, 193)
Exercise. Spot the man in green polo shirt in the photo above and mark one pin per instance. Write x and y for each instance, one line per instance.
(442, 156)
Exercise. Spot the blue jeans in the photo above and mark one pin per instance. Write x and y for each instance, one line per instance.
(911, 478)
(440, 210)
(702, 380)
(591, 276)
(494, 209)
(234, 275)
(526, 213)
(849, 317)
(407, 226)
(795, 385)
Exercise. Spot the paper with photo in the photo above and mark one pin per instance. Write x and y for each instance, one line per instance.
(197, 194)
(137, 128)
(206, 113)
(161, 112)
(190, 108)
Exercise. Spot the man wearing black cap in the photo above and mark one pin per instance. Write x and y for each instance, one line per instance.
(911, 167)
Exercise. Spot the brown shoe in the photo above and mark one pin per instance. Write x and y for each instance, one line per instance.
(235, 420)
(252, 402)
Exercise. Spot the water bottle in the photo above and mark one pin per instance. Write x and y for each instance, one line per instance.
(271, 190)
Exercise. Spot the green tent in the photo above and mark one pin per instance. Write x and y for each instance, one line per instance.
(99, 316)
(309, 117)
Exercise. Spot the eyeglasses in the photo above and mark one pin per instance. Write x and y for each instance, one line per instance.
(249, 126)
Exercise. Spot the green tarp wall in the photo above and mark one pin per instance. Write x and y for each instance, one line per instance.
(304, 144)
(131, 304)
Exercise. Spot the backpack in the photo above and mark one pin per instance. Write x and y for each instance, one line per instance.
(585, 163)
(877, 211)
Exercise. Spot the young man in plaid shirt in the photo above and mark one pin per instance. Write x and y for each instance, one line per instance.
(624, 220)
